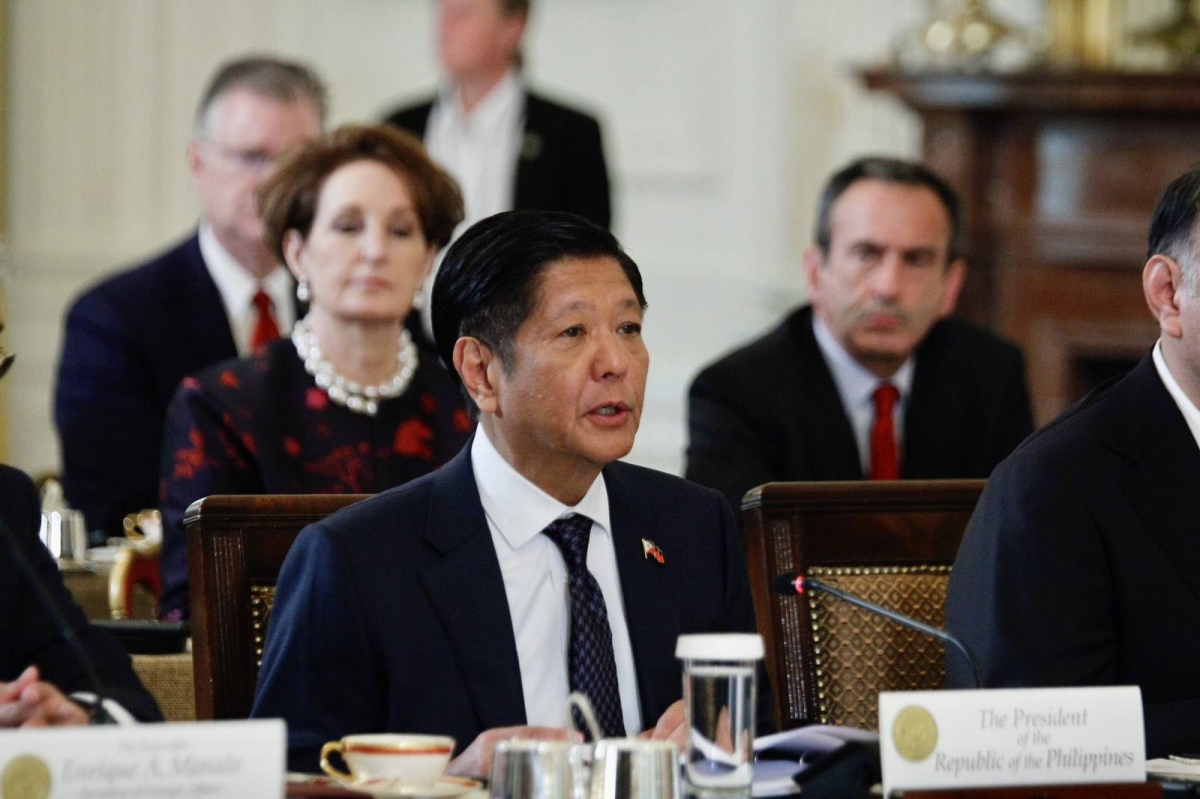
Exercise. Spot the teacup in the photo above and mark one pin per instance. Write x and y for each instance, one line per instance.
(409, 760)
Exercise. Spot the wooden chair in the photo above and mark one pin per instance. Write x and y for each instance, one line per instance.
(890, 542)
(170, 680)
(236, 546)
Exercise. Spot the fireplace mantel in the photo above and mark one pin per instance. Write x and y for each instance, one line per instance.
(1059, 173)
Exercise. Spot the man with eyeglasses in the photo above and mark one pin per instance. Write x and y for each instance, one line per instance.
(217, 295)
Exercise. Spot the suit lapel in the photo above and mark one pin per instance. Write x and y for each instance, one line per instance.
(1149, 429)
(531, 162)
(201, 312)
(936, 417)
(467, 593)
(651, 602)
(830, 441)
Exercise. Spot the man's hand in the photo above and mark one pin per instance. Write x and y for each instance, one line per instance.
(476, 759)
(671, 727)
(28, 702)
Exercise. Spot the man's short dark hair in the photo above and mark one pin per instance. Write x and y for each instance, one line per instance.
(891, 170)
(488, 284)
(285, 81)
(1173, 225)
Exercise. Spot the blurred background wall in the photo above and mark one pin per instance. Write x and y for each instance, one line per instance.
(722, 117)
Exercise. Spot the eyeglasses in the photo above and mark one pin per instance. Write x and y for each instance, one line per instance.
(6, 359)
(248, 160)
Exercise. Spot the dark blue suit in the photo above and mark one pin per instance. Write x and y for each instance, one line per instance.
(392, 614)
(129, 341)
(28, 633)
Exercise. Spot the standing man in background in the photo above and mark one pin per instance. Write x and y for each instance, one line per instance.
(507, 147)
(217, 295)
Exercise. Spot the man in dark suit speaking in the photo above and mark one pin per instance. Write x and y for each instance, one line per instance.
(1081, 564)
(470, 602)
(872, 379)
(218, 294)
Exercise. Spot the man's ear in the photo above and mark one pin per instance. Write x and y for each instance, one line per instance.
(956, 276)
(1162, 280)
(814, 259)
(195, 160)
(477, 367)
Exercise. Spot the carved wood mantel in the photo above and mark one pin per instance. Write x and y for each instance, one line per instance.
(1059, 173)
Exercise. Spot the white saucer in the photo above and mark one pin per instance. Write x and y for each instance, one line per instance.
(388, 789)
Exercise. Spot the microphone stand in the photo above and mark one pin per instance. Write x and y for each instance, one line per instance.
(797, 585)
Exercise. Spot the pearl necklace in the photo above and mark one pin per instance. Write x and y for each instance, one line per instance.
(355, 396)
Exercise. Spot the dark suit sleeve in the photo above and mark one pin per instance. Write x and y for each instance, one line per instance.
(202, 454)
(107, 414)
(729, 449)
(1031, 590)
(586, 187)
(33, 637)
(319, 671)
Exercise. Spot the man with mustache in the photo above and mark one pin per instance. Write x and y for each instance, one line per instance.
(873, 379)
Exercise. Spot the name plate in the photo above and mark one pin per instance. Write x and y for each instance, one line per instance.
(198, 760)
(1010, 737)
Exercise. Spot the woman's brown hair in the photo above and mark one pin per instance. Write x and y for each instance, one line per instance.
(288, 198)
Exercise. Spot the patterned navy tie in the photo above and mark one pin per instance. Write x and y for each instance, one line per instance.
(591, 666)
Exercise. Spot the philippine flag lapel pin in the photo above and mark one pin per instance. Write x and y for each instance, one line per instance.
(651, 550)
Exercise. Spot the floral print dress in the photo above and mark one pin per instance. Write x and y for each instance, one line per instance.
(262, 426)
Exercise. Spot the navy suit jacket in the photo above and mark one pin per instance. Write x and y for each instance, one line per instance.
(561, 165)
(129, 341)
(1081, 563)
(771, 411)
(392, 615)
(28, 631)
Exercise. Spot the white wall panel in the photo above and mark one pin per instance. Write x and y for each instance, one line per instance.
(723, 117)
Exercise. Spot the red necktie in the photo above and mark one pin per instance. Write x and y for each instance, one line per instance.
(885, 460)
(265, 328)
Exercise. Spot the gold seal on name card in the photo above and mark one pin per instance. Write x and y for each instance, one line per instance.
(25, 777)
(915, 733)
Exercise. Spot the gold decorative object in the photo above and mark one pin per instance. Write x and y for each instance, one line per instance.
(1178, 37)
(962, 34)
(1086, 34)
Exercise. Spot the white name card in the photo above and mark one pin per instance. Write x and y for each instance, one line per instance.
(1008, 737)
(199, 760)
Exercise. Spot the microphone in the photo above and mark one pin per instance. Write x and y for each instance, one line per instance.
(791, 584)
(62, 626)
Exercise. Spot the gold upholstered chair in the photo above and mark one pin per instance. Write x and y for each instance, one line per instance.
(170, 680)
(236, 546)
(889, 542)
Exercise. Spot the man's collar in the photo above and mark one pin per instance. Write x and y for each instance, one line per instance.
(517, 508)
(491, 109)
(236, 283)
(1191, 414)
(856, 383)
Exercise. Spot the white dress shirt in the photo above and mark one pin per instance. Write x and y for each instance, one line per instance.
(481, 148)
(1191, 414)
(856, 386)
(535, 581)
(238, 286)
